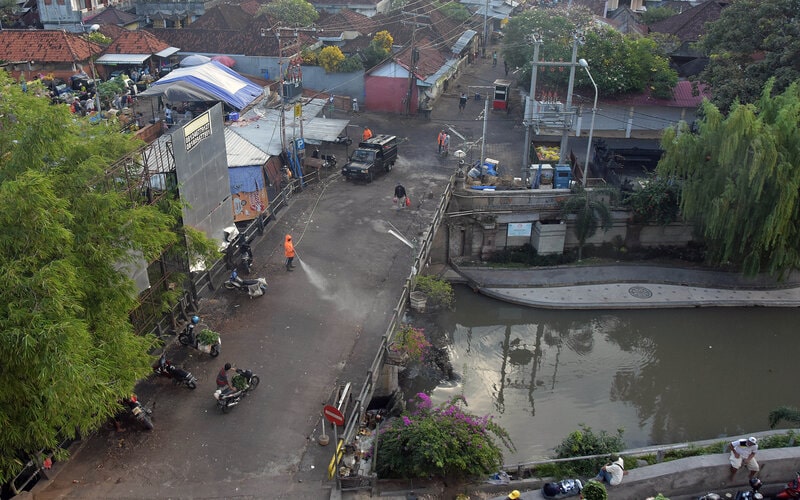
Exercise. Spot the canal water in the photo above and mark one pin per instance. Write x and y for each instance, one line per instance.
(663, 376)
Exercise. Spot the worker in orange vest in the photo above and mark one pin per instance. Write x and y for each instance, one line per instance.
(367, 134)
(441, 140)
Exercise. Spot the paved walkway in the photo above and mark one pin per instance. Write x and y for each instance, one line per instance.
(628, 287)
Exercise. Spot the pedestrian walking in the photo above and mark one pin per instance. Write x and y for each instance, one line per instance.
(355, 105)
(446, 144)
(505, 66)
(440, 140)
(462, 102)
(288, 251)
(400, 196)
(367, 134)
(494, 59)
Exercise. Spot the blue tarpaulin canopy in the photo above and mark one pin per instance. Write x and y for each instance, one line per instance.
(211, 81)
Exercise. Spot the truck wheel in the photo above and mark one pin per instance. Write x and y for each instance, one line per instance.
(389, 167)
(369, 176)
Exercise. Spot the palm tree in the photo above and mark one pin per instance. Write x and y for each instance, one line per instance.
(788, 413)
(591, 213)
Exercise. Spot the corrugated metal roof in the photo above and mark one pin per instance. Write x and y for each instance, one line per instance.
(463, 40)
(261, 126)
(241, 152)
(167, 52)
(122, 59)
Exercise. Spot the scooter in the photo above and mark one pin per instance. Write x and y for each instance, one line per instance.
(178, 375)
(188, 337)
(343, 139)
(245, 380)
(253, 287)
(752, 494)
(247, 258)
(792, 489)
(140, 412)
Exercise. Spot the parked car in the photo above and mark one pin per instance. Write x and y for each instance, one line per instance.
(371, 157)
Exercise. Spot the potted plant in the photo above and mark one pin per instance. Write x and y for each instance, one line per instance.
(594, 490)
(409, 344)
(207, 337)
(438, 292)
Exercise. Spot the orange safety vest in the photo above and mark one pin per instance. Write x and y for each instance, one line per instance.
(440, 140)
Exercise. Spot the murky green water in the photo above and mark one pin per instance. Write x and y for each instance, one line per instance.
(663, 376)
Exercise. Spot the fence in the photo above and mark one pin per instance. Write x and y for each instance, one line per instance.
(367, 389)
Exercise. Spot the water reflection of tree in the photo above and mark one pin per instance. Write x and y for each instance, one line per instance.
(576, 335)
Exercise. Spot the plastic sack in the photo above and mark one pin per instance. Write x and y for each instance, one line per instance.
(408, 201)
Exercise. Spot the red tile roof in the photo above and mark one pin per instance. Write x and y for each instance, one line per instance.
(690, 24)
(43, 46)
(682, 97)
(249, 42)
(136, 42)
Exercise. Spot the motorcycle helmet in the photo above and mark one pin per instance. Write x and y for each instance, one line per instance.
(195, 320)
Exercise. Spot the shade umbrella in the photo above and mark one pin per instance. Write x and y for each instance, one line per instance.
(194, 60)
(225, 60)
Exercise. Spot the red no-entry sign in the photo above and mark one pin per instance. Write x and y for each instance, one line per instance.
(333, 415)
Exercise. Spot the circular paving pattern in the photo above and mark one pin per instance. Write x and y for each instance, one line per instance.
(640, 292)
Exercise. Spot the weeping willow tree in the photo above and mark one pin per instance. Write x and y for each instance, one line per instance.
(741, 175)
(591, 213)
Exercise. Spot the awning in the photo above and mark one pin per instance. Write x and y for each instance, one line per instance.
(167, 52)
(122, 58)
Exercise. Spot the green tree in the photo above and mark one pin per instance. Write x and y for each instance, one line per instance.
(330, 58)
(751, 42)
(378, 49)
(455, 11)
(626, 63)
(68, 350)
(444, 441)
(740, 180)
(620, 63)
(656, 14)
(591, 213)
(291, 12)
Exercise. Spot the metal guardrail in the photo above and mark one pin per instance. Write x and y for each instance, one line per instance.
(368, 386)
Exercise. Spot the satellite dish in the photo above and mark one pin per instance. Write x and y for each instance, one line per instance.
(94, 28)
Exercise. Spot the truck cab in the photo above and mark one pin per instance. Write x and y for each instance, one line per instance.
(371, 157)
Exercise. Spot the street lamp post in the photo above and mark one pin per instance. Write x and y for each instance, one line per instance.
(585, 65)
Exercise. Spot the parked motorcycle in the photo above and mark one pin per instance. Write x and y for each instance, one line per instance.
(140, 412)
(343, 139)
(247, 258)
(752, 494)
(164, 368)
(188, 337)
(330, 161)
(245, 381)
(792, 489)
(253, 287)
(562, 489)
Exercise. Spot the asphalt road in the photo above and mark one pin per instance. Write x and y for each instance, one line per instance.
(317, 327)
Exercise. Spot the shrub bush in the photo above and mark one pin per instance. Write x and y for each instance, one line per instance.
(439, 291)
(444, 441)
(586, 442)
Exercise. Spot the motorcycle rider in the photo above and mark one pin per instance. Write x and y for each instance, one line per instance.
(223, 383)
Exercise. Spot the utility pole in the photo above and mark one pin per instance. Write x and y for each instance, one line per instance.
(414, 57)
(289, 48)
(531, 111)
(536, 39)
(485, 28)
